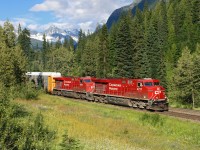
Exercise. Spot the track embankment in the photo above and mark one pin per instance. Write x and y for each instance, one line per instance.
(188, 114)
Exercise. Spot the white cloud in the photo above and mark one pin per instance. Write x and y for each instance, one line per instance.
(82, 13)
(1, 22)
(16, 21)
(33, 26)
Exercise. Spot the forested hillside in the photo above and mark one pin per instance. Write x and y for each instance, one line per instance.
(153, 43)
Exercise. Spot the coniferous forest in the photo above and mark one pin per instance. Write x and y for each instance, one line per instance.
(161, 43)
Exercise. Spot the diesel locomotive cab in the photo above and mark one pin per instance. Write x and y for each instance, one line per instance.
(89, 85)
(157, 99)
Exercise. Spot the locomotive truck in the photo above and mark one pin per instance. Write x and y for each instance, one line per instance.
(144, 93)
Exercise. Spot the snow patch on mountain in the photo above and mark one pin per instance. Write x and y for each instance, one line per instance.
(54, 33)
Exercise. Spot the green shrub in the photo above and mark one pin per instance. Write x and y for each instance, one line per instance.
(69, 143)
(152, 119)
(25, 91)
(38, 135)
(19, 111)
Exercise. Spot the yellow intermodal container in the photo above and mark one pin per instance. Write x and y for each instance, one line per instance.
(51, 84)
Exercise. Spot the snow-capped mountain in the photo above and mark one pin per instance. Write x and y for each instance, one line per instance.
(54, 33)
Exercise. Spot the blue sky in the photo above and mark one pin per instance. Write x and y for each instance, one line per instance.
(40, 14)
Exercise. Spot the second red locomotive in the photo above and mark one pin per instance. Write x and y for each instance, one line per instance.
(138, 93)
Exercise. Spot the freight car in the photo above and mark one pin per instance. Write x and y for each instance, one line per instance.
(138, 93)
(40, 79)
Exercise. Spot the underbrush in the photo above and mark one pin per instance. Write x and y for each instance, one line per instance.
(177, 104)
(20, 129)
(153, 119)
(25, 91)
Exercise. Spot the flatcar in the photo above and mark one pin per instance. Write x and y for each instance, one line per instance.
(137, 93)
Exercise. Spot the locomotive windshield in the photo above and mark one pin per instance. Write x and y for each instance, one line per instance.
(87, 80)
(148, 84)
(151, 84)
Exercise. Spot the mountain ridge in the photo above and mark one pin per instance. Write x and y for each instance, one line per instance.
(114, 17)
(53, 34)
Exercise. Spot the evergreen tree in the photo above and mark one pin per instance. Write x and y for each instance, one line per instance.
(88, 64)
(6, 68)
(69, 143)
(24, 41)
(196, 77)
(60, 60)
(81, 46)
(187, 29)
(44, 51)
(9, 34)
(162, 40)
(196, 11)
(153, 52)
(58, 43)
(65, 43)
(13, 62)
(103, 55)
(183, 79)
(112, 48)
(171, 27)
(139, 52)
(19, 63)
(71, 44)
(124, 61)
(19, 31)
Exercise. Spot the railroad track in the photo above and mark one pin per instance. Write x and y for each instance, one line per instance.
(187, 114)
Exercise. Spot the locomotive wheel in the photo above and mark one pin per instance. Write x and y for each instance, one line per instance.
(130, 103)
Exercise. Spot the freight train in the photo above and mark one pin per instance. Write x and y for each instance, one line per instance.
(144, 93)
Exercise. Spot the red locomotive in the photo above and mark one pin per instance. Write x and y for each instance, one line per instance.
(138, 93)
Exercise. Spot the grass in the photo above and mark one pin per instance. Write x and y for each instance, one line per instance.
(107, 127)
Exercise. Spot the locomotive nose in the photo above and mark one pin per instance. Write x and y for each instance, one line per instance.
(159, 93)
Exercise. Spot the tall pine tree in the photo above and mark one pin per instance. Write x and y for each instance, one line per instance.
(103, 55)
(124, 60)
